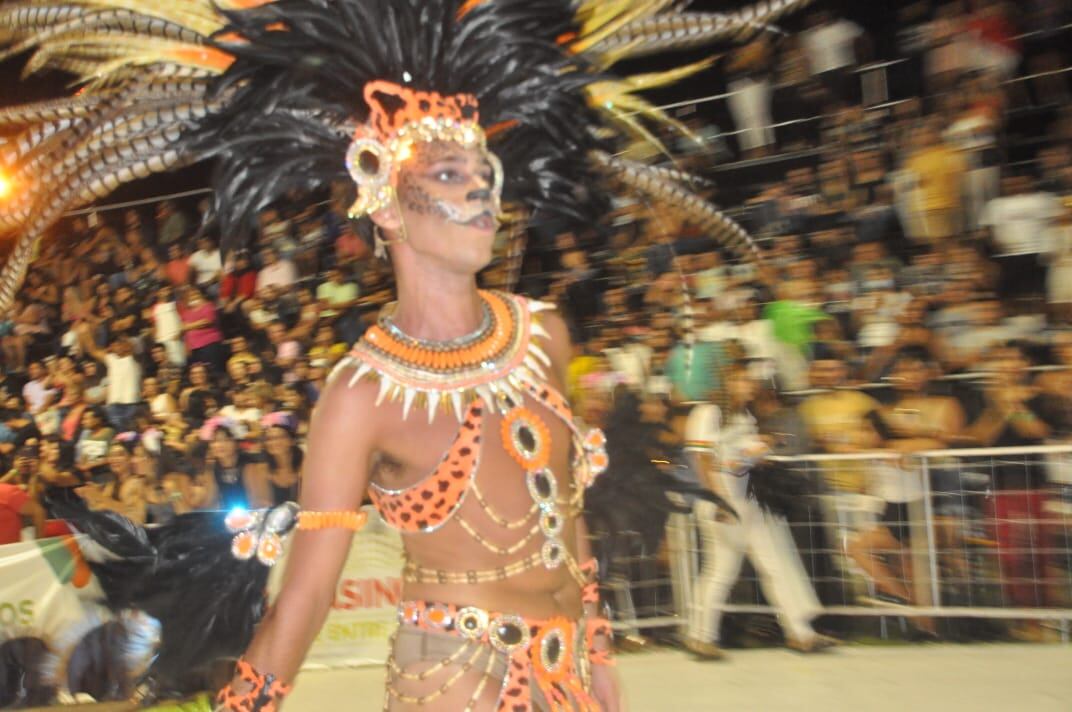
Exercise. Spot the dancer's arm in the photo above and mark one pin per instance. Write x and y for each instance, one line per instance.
(335, 475)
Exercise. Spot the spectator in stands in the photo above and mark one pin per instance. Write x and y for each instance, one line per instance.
(25, 323)
(230, 477)
(326, 348)
(26, 462)
(243, 409)
(831, 48)
(1013, 416)
(793, 316)
(162, 406)
(177, 268)
(207, 265)
(275, 272)
(283, 458)
(123, 490)
(840, 421)
(163, 492)
(239, 281)
(16, 505)
(56, 471)
(284, 350)
(126, 321)
(91, 448)
(1055, 387)
(124, 377)
(915, 421)
(338, 299)
(201, 331)
(195, 398)
(938, 169)
(171, 225)
(168, 327)
(1020, 223)
(750, 96)
(96, 383)
(37, 391)
(350, 249)
(994, 45)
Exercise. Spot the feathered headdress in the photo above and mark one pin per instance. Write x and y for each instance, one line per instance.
(298, 94)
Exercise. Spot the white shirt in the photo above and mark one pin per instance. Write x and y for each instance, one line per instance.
(1021, 223)
(281, 274)
(706, 433)
(167, 323)
(831, 46)
(35, 394)
(124, 380)
(632, 362)
(207, 264)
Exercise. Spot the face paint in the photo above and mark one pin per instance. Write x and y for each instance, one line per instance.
(415, 197)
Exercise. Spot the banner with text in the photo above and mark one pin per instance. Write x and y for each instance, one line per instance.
(364, 613)
(45, 588)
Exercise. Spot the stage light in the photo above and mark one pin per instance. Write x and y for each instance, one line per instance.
(6, 186)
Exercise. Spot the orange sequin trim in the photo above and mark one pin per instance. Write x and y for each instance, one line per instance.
(355, 521)
(541, 435)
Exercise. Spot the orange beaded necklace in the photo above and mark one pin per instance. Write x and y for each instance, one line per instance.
(494, 363)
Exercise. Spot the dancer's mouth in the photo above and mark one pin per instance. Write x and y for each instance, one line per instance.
(484, 221)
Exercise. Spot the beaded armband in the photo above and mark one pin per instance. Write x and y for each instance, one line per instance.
(264, 695)
(354, 521)
(261, 534)
(595, 628)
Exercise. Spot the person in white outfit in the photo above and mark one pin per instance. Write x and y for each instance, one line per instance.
(167, 326)
(724, 446)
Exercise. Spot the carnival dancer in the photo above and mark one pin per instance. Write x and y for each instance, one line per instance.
(444, 117)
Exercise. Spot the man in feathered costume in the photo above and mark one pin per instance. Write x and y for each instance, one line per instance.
(448, 118)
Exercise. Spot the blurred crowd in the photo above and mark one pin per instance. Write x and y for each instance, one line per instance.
(148, 373)
(915, 291)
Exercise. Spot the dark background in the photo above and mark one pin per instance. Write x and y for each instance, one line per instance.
(877, 17)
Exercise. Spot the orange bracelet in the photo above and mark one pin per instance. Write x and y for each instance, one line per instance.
(264, 695)
(595, 627)
(354, 521)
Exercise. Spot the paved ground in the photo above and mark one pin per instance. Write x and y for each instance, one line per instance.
(945, 678)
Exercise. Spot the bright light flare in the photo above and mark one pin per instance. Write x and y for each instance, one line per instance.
(6, 186)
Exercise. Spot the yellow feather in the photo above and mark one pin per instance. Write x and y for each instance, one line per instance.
(601, 19)
(199, 15)
(614, 96)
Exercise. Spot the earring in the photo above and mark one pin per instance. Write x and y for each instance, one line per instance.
(379, 244)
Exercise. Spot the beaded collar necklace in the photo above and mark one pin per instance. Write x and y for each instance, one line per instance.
(493, 363)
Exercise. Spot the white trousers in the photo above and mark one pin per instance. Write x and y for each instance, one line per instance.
(750, 104)
(767, 541)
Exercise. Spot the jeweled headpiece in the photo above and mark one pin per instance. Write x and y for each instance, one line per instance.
(398, 118)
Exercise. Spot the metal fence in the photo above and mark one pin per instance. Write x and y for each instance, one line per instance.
(970, 533)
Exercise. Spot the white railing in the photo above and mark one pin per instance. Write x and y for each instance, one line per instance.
(988, 532)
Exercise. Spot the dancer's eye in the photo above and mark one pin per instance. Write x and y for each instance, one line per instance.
(449, 176)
